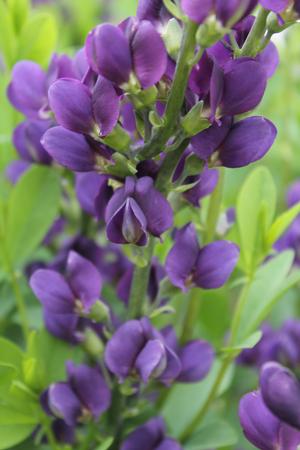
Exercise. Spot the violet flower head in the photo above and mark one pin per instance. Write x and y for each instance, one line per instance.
(150, 436)
(241, 144)
(78, 109)
(281, 393)
(84, 396)
(118, 55)
(207, 267)
(138, 348)
(27, 140)
(135, 210)
(262, 428)
(66, 300)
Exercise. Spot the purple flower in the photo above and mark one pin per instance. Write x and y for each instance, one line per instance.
(28, 89)
(75, 151)
(27, 140)
(208, 267)
(66, 300)
(199, 10)
(276, 6)
(244, 143)
(152, 10)
(150, 436)
(196, 356)
(78, 109)
(280, 390)
(116, 54)
(262, 428)
(85, 395)
(135, 210)
(138, 348)
(93, 193)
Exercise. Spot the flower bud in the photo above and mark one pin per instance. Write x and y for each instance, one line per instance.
(193, 123)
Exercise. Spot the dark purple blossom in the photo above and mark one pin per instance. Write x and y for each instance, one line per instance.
(84, 396)
(67, 299)
(117, 55)
(150, 436)
(208, 267)
(262, 428)
(280, 390)
(241, 144)
(136, 210)
(138, 348)
(78, 109)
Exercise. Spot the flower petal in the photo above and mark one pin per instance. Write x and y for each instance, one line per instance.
(182, 257)
(108, 53)
(106, 106)
(71, 102)
(151, 361)
(149, 54)
(215, 263)
(248, 141)
(52, 291)
(84, 279)
(197, 10)
(69, 149)
(207, 142)
(196, 358)
(64, 403)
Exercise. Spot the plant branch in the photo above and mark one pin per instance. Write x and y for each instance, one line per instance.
(253, 41)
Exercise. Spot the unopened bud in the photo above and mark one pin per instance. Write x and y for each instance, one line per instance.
(92, 343)
(99, 312)
(172, 36)
(193, 123)
(118, 139)
(209, 33)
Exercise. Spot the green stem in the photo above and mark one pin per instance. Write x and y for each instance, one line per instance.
(140, 283)
(214, 209)
(50, 436)
(253, 41)
(191, 316)
(211, 397)
(176, 97)
(223, 369)
(168, 166)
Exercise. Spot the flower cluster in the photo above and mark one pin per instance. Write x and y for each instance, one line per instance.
(140, 121)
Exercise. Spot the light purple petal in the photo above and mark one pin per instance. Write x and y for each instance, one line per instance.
(269, 58)
(197, 10)
(196, 358)
(209, 140)
(28, 88)
(173, 368)
(16, 169)
(69, 149)
(62, 326)
(123, 348)
(90, 387)
(151, 361)
(27, 140)
(215, 263)
(146, 436)
(276, 6)
(289, 438)
(169, 444)
(84, 279)
(64, 403)
(52, 291)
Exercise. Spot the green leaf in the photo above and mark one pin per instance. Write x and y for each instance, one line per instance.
(189, 398)
(33, 206)
(268, 286)
(249, 342)
(19, 10)
(45, 360)
(212, 435)
(106, 444)
(14, 434)
(281, 224)
(38, 38)
(10, 355)
(8, 42)
(255, 211)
